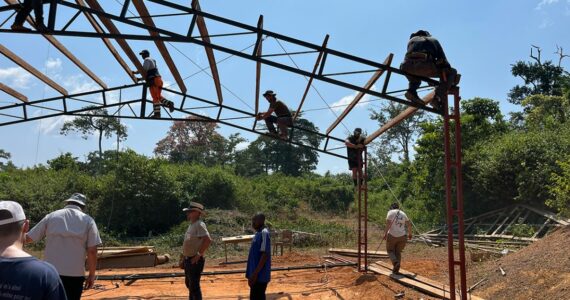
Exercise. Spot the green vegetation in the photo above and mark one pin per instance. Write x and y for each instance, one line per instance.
(520, 160)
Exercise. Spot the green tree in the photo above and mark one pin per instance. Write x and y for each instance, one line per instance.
(540, 77)
(4, 155)
(96, 121)
(64, 161)
(401, 137)
(560, 189)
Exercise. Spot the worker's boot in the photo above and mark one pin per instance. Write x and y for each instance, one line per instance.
(20, 27)
(413, 96)
(396, 268)
(167, 103)
(156, 110)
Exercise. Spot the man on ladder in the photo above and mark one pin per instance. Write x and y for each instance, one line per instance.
(354, 148)
(425, 57)
(154, 82)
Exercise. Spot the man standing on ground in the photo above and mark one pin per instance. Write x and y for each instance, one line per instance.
(70, 236)
(282, 117)
(196, 242)
(258, 272)
(154, 82)
(38, 7)
(396, 224)
(425, 57)
(354, 147)
(23, 276)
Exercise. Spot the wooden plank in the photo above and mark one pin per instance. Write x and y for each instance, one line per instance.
(113, 30)
(352, 252)
(547, 214)
(421, 283)
(310, 81)
(238, 239)
(209, 51)
(504, 221)
(107, 42)
(399, 118)
(8, 90)
(65, 51)
(147, 20)
(360, 95)
(26, 66)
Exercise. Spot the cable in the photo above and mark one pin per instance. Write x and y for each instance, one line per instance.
(313, 87)
(42, 110)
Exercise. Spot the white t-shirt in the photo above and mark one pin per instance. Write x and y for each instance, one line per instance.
(398, 227)
(69, 232)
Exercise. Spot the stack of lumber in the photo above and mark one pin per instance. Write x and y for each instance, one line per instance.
(129, 257)
(418, 282)
(354, 253)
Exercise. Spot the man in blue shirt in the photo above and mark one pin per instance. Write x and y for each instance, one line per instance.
(23, 276)
(258, 270)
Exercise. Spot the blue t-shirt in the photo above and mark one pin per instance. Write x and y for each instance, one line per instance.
(261, 244)
(28, 278)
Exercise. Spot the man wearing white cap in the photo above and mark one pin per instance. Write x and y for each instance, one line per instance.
(196, 242)
(70, 236)
(23, 276)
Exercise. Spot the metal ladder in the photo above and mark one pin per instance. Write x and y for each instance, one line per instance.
(361, 195)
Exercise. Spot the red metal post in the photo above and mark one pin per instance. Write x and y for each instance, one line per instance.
(453, 162)
(362, 198)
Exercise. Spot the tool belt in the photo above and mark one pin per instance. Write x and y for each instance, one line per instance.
(418, 56)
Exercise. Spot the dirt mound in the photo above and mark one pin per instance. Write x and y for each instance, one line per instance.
(539, 271)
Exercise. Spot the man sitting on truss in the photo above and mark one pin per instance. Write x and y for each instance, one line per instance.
(283, 117)
(354, 146)
(154, 82)
(425, 57)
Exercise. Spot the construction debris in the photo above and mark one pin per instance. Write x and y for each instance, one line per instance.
(416, 281)
(354, 253)
(129, 257)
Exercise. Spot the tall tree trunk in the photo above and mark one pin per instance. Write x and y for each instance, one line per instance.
(100, 140)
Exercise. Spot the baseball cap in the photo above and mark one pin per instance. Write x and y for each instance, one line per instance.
(11, 212)
(77, 198)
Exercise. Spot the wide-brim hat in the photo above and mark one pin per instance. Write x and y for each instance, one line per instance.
(77, 198)
(269, 93)
(194, 206)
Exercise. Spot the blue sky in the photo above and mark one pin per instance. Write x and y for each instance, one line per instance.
(481, 39)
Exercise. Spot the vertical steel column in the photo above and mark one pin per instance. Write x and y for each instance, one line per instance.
(143, 102)
(454, 163)
(362, 198)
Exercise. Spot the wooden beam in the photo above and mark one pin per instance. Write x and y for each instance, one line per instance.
(209, 52)
(113, 30)
(310, 82)
(26, 66)
(547, 214)
(147, 20)
(258, 52)
(360, 95)
(107, 42)
(399, 118)
(8, 90)
(65, 51)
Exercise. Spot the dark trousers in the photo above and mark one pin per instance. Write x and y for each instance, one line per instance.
(192, 273)
(29, 5)
(73, 286)
(427, 68)
(257, 291)
(282, 123)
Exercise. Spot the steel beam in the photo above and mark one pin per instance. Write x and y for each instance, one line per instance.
(310, 81)
(145, 16)
(113, 29)
(258, 51)
(209, 52)
(399, 118)
(26, 66)
(359, 96)
(107, 42)
(8, 90)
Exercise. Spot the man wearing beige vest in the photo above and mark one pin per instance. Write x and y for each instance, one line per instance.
(196, 242)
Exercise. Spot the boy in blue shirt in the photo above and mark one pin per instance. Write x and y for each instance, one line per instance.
(258, 270)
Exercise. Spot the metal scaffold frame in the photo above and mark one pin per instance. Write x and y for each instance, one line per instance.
(104, 27)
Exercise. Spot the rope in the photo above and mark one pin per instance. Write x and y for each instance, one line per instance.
(42, 110)
(313, 87)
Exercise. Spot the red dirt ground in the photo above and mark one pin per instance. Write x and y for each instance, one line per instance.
(337, 283)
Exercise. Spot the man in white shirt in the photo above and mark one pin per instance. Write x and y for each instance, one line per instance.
(396, 224)
(70, 236)
(154, 82)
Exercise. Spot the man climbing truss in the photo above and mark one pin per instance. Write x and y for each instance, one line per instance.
(154, 82)
(282, 117)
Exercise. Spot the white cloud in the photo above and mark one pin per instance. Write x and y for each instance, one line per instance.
(341, 104)
(15, 77)
(53, 64)
(242, 145)
(543, 3)
(51, 126)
